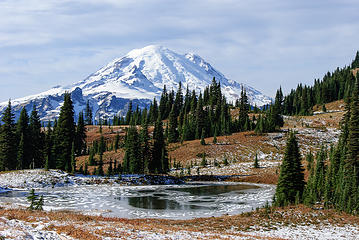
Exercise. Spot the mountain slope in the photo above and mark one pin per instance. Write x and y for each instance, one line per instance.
(138, 76)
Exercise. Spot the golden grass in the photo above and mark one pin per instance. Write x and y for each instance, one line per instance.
(81, 226)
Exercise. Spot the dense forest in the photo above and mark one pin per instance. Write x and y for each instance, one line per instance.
(177, 117)
(333, 173)
(334, 86)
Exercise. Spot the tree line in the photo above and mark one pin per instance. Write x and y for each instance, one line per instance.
(25, 144)
(177, 117)
(333, 173)
(336, 85)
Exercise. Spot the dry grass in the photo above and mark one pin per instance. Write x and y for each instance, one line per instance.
(93, 227)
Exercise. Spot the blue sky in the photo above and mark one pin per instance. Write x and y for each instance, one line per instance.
(264, 43)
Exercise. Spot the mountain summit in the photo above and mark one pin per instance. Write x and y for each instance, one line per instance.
(138, 76)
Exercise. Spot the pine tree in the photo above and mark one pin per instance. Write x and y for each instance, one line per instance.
(352, 161)
(145, 146)
(133, 150)
(24, 141)
(80, 136)
(172, 128)
(158, 163)
(32, 197)
(20, 153)
(65, 133)
(8, 141)
(117, 140)
(204, 161)
(203, 142)
(215, 136)
(73, 158)
(355, 63)
(37, 139)
(110, 169)
(256, 164)
(291, 178)
(243, 109)
(88, 114)
(310, 159)
(178, 103)
(129, 113)
(99, 170)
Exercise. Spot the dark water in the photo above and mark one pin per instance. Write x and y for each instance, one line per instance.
(188, 198)
(152, 201)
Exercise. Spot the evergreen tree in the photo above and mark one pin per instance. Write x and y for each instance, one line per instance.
(37, 139)
(172, 129)
(133, 151)
(256, 164)
(158, 163)
(291, 179)
(73, 158)
(80, 137)
(129, 113)
(99, 170)
(24, 145)
(110, 169)
(355, 63)
(203, 142)
(243, 109)
(65, 133)
(145, 146)
(8, 141)
(88, 114)
(117, 140)
(352, 161)
(20, 153)
(178, 103)
(49, 142)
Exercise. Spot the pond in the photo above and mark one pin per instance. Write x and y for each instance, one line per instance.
(160, 201)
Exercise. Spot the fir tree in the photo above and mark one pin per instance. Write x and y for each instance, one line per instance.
(133, 148)
(80, 136)
(65, 133)
(129, 113)
(172, 129)
(203, 142)
(88, 114)
(256, 163)
(37, 139)
(117, 140)
(291, 179)
(145, 146)
(8, 141)
(73, 158)
(24, 144)
(158, 163)
(99, 169)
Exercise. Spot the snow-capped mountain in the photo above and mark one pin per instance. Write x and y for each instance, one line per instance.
(138, 76)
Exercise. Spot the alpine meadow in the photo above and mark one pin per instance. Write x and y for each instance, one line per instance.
(158, 143)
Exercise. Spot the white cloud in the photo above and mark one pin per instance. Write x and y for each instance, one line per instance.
(264, 43)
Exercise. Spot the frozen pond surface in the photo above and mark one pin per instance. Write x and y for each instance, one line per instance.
(164, 201)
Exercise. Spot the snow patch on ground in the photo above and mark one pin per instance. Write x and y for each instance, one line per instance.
(24, 230)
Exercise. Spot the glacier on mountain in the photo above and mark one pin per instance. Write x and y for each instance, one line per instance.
(138, 76)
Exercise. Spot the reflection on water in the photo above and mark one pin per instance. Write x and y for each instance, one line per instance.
(160, 201)
(214, 189)
(201, 197)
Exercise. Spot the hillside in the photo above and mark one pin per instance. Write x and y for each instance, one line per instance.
(239, 148)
